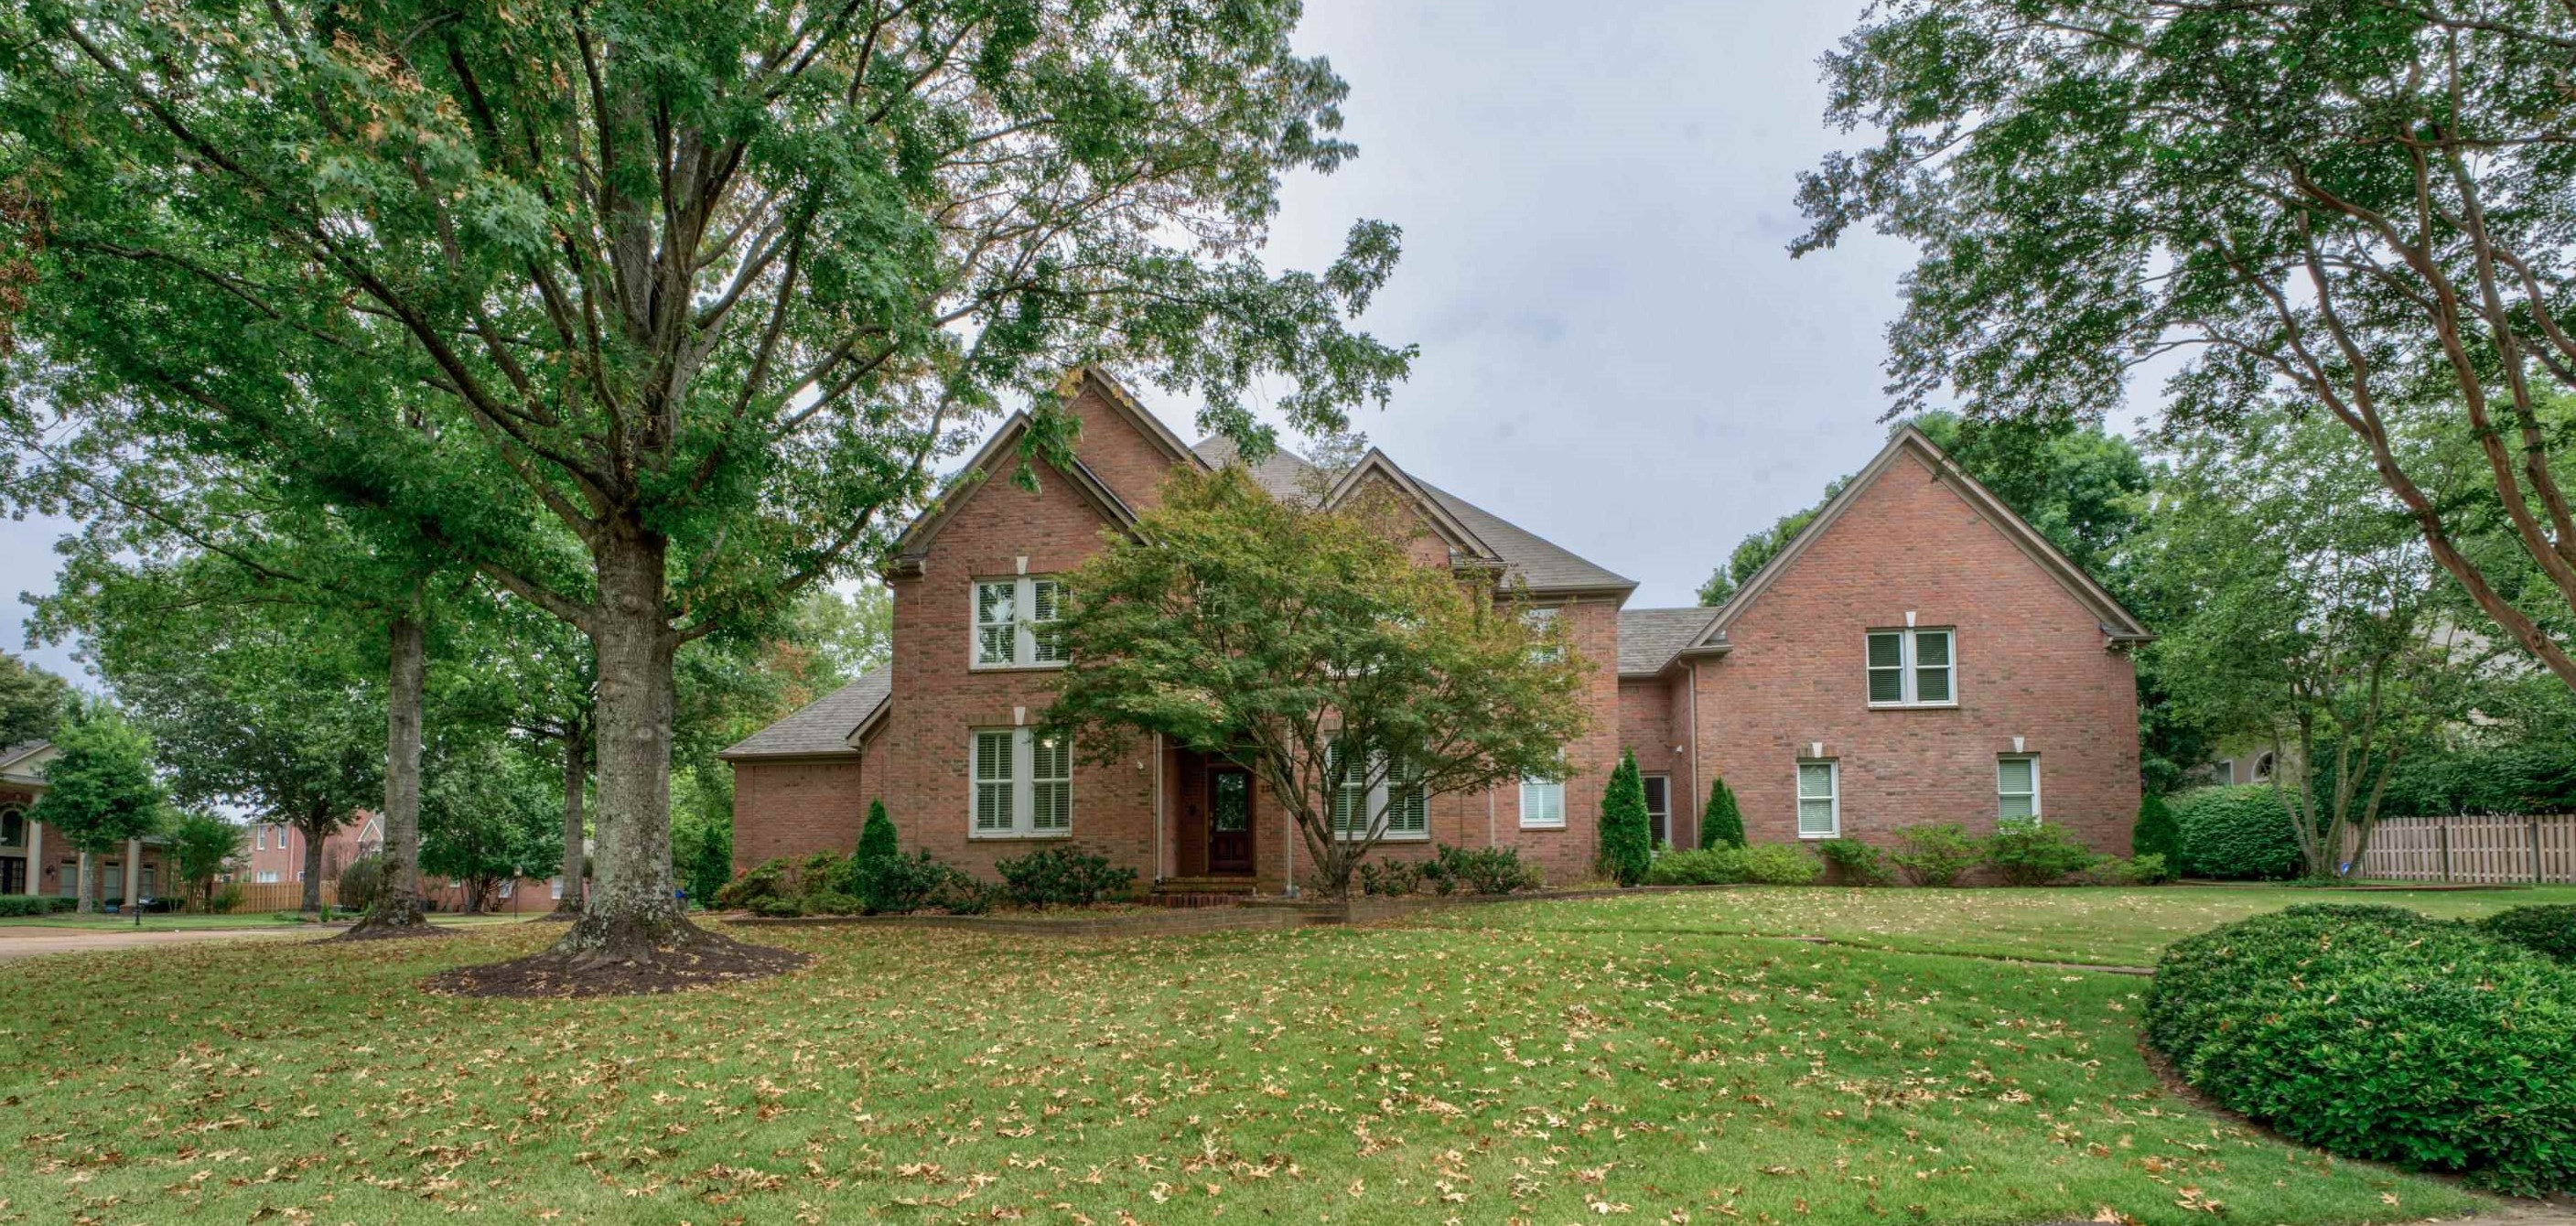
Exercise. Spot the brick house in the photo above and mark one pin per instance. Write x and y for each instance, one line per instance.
(36, 861)
(1917, 654)
(275, 856)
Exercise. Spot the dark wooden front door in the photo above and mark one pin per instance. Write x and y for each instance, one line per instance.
(1229, 820)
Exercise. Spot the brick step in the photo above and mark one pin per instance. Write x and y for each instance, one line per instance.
(1202, 891)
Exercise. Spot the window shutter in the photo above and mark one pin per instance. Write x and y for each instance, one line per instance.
(1052, 768)
(993, 781)
(1408, 809)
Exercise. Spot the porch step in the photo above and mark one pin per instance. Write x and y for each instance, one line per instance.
(1202, 891)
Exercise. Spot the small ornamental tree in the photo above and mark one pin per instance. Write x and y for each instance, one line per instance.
(876, 838)
(1306, 644)
(2157, 833)
(1721, 824)
(100, 792)
(1627, 837)
(202, 845)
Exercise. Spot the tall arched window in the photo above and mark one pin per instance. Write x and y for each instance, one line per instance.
(13, 826)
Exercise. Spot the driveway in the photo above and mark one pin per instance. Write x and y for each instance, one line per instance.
(29, 942)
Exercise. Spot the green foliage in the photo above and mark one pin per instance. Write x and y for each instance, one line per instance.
(1063, 877)
(2375, 1033)
(829, 902)
(2549, 928)
(361, 883)
(877, 837)
(1721, 824)
(762, 882)
(26, 906)
(1707, 866)
(2157, 831)
(1781, 864)
(1627, 838)
(1232, 622)
(2148, 869)
(1857, 863)
(2534, 775)
(31, 701)
(489, 813)
(1483, 870)
(1390, 878)
(2236, 834)
(1758, 549)
(919, 882)
(1936, 854)
(226, 899)
(101, 791)
(2032, 852)
(200, 846)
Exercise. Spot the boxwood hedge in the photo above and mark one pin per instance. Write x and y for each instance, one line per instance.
(2236, 834)
(2377, 1033)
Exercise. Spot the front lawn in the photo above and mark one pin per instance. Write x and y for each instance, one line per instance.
(2097, 927)
(1534, 1065)
(241, 919)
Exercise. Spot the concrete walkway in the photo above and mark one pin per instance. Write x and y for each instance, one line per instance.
(29, 942)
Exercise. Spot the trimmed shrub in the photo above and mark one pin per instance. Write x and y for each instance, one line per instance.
(1856, 862)
(1781, 864)
(1063, 877)
(1712, 866)
(23, 906)
(2031, 852)
(1721, 824)
(1937, 854)
(775, 906)
(876, 838)
(2149, 869)
(760, 882)
(828, 902)
(899, 884)
(361, 881)
(2549, 928)
(225, 899)
(1627, 834)
(2236, 833)
(2156, 832)
(1390, 878)
(1486, 870)
(2377, 1033)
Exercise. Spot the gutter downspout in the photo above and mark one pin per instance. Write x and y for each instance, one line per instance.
(1159, 872)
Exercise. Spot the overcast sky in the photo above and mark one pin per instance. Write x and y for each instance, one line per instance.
(1617, 352)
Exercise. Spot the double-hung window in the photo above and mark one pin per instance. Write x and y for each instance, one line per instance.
(1820, 800)
(1912, 668)
(1358, 802)
(1015, 622)
(1543, 623)
(2017, 788)
(1022, 784)
(1542, 804)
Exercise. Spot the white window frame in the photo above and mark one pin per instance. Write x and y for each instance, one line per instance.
(2001, 795)
(554, 888)
(1554, 789)
(266, 876)
(1909, 668)
(1545, 620)
(1833, 796)
(1374, 801)
(1021, 785)
(1030, 646)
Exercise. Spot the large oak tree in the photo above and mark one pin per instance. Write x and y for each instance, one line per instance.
(659, 313)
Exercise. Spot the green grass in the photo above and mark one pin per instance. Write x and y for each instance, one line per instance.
(242, 919)
(2099, 927)
(1528, 1063)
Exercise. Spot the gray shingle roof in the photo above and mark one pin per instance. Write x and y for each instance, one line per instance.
(821, 727)
(1542, 564)
(1650, 638)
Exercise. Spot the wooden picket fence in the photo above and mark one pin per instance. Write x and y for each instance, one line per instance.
(2496, 850)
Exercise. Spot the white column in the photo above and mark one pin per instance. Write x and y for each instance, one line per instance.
(35, 857)
(133, 871)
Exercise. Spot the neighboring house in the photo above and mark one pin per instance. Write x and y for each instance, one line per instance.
(34, 860)
(276, 857)
(1917, 654)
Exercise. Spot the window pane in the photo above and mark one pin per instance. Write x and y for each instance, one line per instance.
(1886, 650)
(1046, 604)
(1931, 685)
(1542, 803)
(1816, 817)
(1887, 685)
(1657, 795)
(1932, 647)
(2013, 775)
(996, 638)
(2015, 806)
(1815, 779)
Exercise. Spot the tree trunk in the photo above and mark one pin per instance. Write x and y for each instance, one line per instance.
(313, 835)
(398, 900)
(575, 775)
(631, 911)
(85, 887)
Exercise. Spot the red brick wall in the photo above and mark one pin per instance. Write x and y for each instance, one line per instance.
(2031, 663)
(796, 808)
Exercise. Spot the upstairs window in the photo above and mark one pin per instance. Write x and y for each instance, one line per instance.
(1544, 623)
(1015, 622)
(1912, 668)
(1022, 784)
(2017, 788)
(1820, 800)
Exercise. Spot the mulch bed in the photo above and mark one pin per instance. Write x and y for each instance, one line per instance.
(410, 932)
(708, 960)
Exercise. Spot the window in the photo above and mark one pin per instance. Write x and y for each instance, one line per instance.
(1911, 668)
(1398, 800)
(263, 838)
(1542, 804)
(150, 873)
(2016, 788)
(1023, 784)
(554, 887)
(1820, 802)
(1544, 622)
(268, 876)
(1015, 622)
(13, 826)
(1659, 808)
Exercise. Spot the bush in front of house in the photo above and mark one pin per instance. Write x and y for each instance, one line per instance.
(1936, 854)
(1390, 878)
(1721, 824)
(1710, 866)
(1627, 833)
(361, 881)
(2238, 833)
(1780, 864)
(2147, 869)
(1484, 870)
(760, 883)
(2549, 928)
(899, 885)
(225, 899)
(2028, 851)
(876, 837)
(26, 906)
(1856, 862)
(2378, 1033)
(1063, 877)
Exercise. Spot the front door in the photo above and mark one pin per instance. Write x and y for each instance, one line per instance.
(1229, 820)
(13, 875)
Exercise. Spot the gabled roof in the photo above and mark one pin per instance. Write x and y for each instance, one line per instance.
(1283, 474)
(1116, 393)
(2116, 622)
(1445, 522)
(1650, 639)
(824, 728)
(23, 763)
(914, 544)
